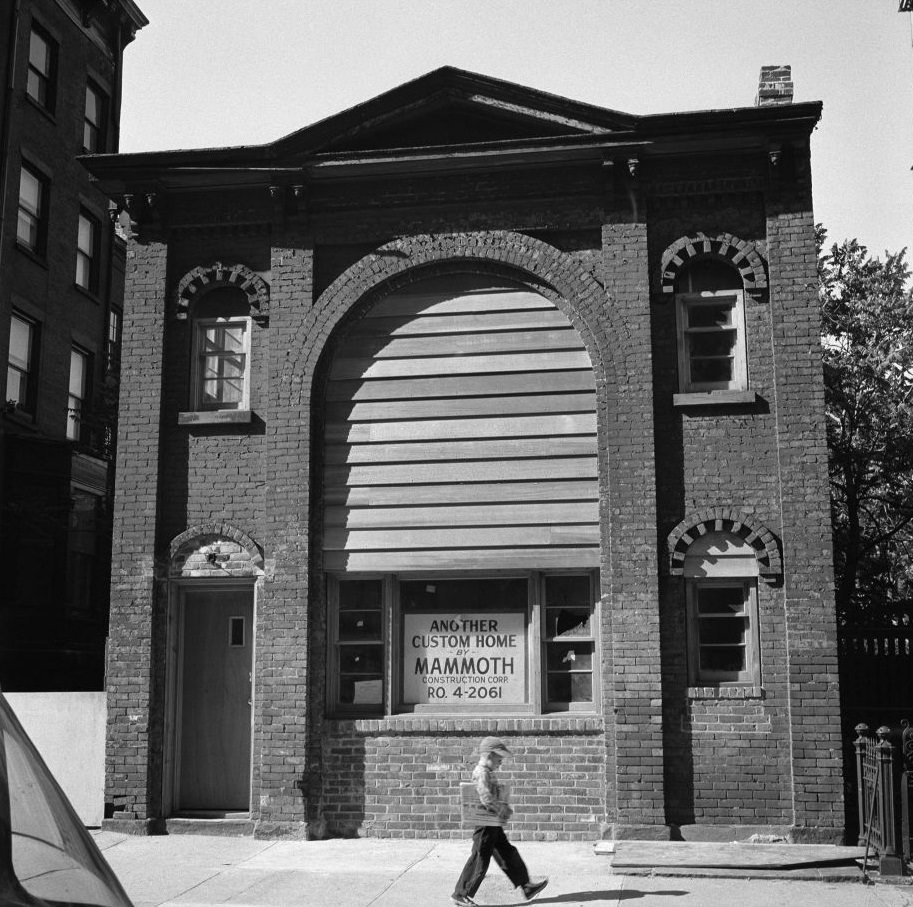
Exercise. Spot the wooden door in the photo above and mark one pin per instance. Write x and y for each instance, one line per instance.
(213, 765)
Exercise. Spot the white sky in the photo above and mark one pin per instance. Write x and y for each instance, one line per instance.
(207, 73)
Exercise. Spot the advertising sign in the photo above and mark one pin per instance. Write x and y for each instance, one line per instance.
(464, 659)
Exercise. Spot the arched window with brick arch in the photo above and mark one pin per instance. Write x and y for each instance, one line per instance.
(222, 303)
(709, 280)
(710, 320)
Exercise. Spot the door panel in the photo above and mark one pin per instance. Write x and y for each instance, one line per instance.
(215, 691)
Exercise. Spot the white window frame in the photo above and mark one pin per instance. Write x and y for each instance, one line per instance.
(27, 371)
(751, 675)
(199, 327)
(76, 396)
(34, 216)
(42, 77)
(93, 130)
(391, 630)
(685, 302)
(87, 257)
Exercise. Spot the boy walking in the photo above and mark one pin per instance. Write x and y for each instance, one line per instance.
(489, 840)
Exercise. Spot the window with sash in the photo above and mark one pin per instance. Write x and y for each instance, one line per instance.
(22, 364)
(721, 599)
(41, 82)
(31, 227)
(95, 119)
(87, 252)
(710, 318)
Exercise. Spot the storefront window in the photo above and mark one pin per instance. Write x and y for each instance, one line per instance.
(520, 644)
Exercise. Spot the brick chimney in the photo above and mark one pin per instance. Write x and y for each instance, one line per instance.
(775, 86)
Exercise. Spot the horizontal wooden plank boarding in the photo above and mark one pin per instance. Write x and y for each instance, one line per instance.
(461, 434)
(472, 813)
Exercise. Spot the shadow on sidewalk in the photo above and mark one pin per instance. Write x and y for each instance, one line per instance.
(614, 894)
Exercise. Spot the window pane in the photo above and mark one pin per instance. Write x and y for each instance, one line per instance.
(29, 192)
(721, 600)
(93, 105)
(20, 343)
(362, 689)
(464, 595)
(711, 370)
(567, 590)
(720, 343)
(85, 238)
(83, 270)
(77, 373)
(569, 688)
(703, 315)
(359, 625)
(723, 630)
(224, 338)
(564, 657)
(360, 594)
(567, 622)
(366, 659)
(40, 54)
(723, 659)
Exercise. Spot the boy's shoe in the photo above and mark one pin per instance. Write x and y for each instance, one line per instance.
(531, 889)
(463, 900)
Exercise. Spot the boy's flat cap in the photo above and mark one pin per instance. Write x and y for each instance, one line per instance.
(493, 745)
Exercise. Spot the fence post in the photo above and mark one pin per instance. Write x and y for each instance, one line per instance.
(889, 863)
(862, 739)
(906, 782)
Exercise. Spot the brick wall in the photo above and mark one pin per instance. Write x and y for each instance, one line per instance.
(401, 779)
(658, 753)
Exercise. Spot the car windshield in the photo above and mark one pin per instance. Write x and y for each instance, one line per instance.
(47, 858)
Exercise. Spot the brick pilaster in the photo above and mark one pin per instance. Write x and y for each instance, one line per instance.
(133, 784)
(632, 679)
(814, 713)
(281, 745)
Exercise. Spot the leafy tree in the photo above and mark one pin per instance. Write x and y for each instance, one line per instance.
(867, 311)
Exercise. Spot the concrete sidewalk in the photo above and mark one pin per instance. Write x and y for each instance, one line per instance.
(202, 871)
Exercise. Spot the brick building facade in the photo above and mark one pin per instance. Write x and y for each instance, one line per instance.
(475, 410)
(61, 294)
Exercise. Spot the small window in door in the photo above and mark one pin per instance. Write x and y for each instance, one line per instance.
(236, 632)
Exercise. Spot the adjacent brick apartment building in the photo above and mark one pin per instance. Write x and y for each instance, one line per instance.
(474, 410)
(61, 290)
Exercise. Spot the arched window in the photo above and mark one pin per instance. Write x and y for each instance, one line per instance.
(721, 579)
(221, 350)
(710, 316)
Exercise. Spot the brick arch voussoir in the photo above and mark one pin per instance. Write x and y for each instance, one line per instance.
(222, 530)
(574, 289)
(200, 280)
(743, 255)
(724, 519)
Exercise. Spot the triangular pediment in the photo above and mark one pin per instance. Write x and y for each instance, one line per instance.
(451, 107)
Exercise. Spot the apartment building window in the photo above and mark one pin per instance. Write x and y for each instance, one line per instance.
(31, 229)
(21, 370)
(87, 248)
(41, 84)
(93, 132)
(80, 371)
(113, 341)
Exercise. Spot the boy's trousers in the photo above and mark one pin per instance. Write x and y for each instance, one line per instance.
(490, 841)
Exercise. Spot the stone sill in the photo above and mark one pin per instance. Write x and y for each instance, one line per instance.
(745, 691)
(552, 724)
(216, 417)
(715, 398)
